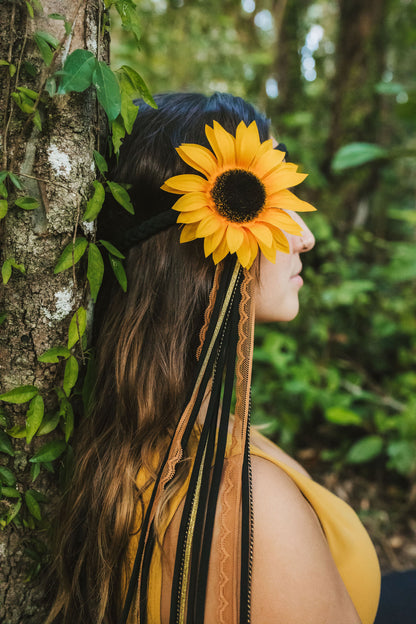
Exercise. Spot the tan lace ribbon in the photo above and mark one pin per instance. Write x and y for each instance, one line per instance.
(230, 527)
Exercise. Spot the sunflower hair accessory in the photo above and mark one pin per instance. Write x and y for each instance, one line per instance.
(239, 203)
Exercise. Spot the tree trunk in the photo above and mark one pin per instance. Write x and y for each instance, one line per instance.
(355, 107)
(56, 167)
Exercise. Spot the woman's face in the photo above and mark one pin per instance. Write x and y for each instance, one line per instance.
(277, 293)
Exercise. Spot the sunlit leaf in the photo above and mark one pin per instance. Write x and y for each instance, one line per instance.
(119, 272)
(365, 449)
(70, 374)
(49, 452)
(34, 417)
(77, 326)
(95, 203)
(21, 394)
(77, 72)
(108, 90)
(77, 250)
(113, 250)
(121, 195)
(356, 154)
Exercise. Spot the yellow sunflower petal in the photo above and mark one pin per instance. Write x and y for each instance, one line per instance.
(254, 247)
(261, 232)
(281, 220)
(185, 183)
(268, 251)
(247, 142)
(191, 201)
(199, 158)
(188, 233)
(288, 201)
(207, 226)
(282, 178)
(267, 163)
(264, 147)
(244, 251)
(221, 251)
(211, 242)
(193, 216)
(226, 145)
(235, 237)
(282, 244)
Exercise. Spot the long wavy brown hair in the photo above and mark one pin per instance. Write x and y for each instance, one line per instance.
(145, 344)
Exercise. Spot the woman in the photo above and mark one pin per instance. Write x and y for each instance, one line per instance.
(172, 516)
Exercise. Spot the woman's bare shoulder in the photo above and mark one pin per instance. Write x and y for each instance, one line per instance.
(295, 579)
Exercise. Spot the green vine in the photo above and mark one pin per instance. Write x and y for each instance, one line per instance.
(115, 91)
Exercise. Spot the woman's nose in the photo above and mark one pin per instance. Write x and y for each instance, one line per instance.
(306, 240)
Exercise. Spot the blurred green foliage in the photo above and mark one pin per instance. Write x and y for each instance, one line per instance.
(343, 374)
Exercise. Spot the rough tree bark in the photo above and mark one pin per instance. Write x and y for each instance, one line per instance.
(355, 107)
(56, 166)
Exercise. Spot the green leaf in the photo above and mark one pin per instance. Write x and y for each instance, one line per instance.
(342, 416)
(21, 394)
(6, 476)
(3, 190)
(95, 270)
(30, 9)
(78, 320)
(70, 375)
(49, 452)
(13, 512)
(355, 154)
(15, 181)
(121, 196)
(3, 175)
(365, 449)
(44, 46)
(77, 72)
(32, 95)
(129, 17)
(112, 250)
(128, 111)
(27, 203)
(10, 492)
(95, 203)
(30, 69)
(119, 272)
(5, 444)
(34, 472)
(48, 37)
(49, 423)
(6, 270)
(101, 162)
(32, 505)
(134, 85)
(118, 132)
(108, 90)
(37, 120)
(57, 16)
(3, 208)
(34, 417)
(51, 356)
(18, 431)
(65, 261)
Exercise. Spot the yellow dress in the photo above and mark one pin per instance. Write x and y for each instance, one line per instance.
(348, 541)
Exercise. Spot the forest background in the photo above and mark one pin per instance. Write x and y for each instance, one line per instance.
(336, 387)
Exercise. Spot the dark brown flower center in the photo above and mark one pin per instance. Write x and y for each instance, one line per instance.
(238, 195)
